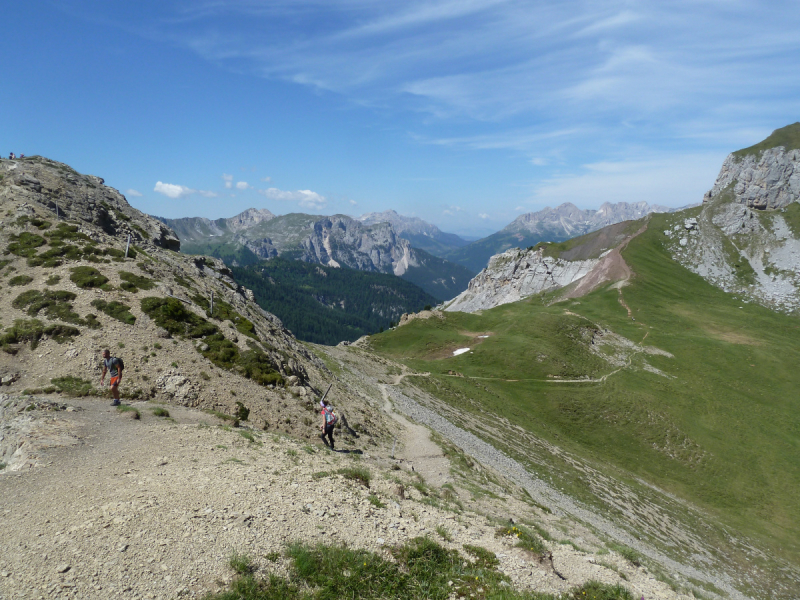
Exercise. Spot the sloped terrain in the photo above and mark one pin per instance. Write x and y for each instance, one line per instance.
(213, 450)
(666, 384)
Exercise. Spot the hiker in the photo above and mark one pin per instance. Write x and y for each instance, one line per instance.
(115, 366)
(11, 156)
(328, 421)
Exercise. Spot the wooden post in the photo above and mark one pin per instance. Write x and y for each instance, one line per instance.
(128, 245)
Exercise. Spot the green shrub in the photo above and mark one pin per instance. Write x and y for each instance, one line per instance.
(53, 280)
(25, 243)
(172, 315)
(74, 386)
(160, 412)
(20, 280)
(64, 232)
(133, 283)
(56, 304)
(34, 330)
(87, 277)
(242, 412)
(117, 310)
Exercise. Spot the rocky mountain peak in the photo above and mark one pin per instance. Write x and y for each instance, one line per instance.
(248, 218)
(65, 193)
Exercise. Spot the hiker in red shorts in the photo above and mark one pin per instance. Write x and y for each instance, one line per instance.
(113, 365)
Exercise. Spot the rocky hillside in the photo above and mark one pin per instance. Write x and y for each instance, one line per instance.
(421, 234)
(746, 237)
(68, 290)
(587, 261)
(549, 225)
(336, 241)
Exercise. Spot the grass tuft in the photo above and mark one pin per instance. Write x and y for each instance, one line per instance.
(359, 474)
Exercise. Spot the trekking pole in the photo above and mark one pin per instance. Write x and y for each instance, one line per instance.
(326, 393)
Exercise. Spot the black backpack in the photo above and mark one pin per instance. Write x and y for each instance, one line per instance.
(120, 363)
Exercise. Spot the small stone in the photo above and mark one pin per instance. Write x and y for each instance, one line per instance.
(63, 568)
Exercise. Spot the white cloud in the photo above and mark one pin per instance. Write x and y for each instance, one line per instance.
(243, 185)
(228, 180)
(305, 198)
(520, 208)
(538, 161)
(170, 190)
(266, 179)
(353, 202)
(133, 193)
(483, 216)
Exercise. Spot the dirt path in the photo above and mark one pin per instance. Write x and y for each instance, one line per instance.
(414, 441)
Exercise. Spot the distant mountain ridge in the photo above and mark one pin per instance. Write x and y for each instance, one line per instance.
(549, 224)
(335, 241)
(420, 233)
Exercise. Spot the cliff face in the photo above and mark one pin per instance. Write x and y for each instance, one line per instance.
(746, 238)
(340, 240)
(517, 274)
(766, 181)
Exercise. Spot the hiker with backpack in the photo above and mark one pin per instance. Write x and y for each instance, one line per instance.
(328, 421)
(115, 366)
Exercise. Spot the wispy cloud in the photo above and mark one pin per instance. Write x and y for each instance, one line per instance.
(228, 179)
(133, 193)
(304, 198)
(243, 185)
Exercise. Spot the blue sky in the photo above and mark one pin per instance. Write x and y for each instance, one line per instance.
(465, 113)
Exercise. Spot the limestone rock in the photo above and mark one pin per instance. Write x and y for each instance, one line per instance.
(516, 274)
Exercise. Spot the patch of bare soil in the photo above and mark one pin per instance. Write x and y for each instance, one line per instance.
(612, 267)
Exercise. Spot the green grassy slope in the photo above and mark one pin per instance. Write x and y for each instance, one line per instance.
(722, 430)
(788, 137)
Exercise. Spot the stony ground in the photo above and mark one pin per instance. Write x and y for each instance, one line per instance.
(109, 506)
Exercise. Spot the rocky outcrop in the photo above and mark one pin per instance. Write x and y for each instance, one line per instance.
(67, 194)
(743, 239)
(515, 275)
(765, 181)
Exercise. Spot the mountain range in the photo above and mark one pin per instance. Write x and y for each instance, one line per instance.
(334, 241)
